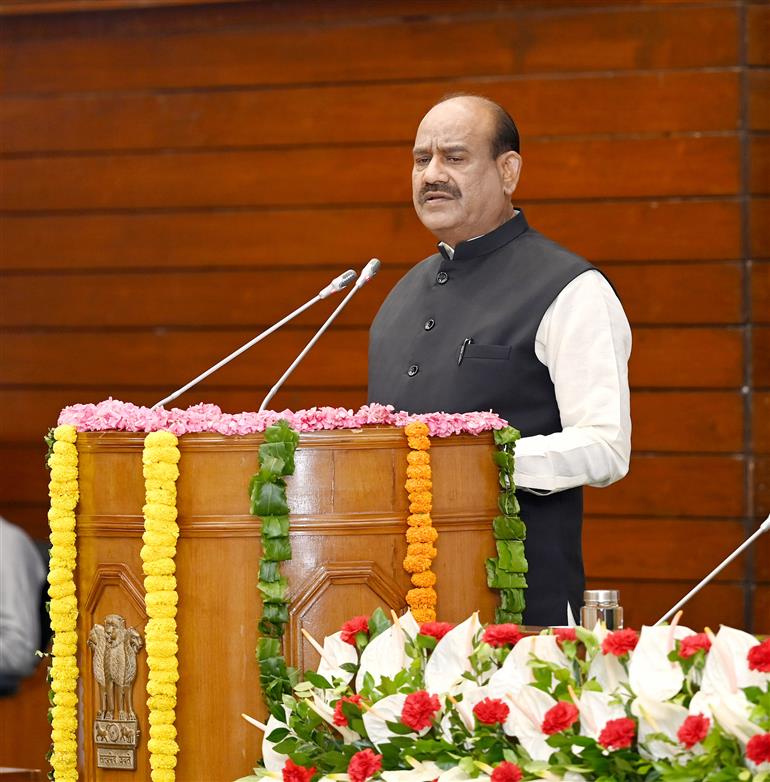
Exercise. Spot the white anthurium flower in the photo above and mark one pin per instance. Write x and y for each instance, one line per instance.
(659, 717)
(516, 671)
(274, 761)
(326, 713)
(727, 668)
(730, 710)
(650, 673)
(464, 708)
(388, 709)
(336, 653)
(385, 655)
(424, 771)
(525, 721)
(457, 774)
(508, 681)
(610, 673)
(596, 710)
(449, 660)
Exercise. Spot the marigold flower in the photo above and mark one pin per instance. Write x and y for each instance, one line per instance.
(759, 657)
(65, 433)
(500, 635)
(559, 717)
(758, 748)
(507, 772)
(425, 579)
(491, 711)
(417, 458)
(351, 628)
(436, 630)
(416, 428)
(424, 615)
(421, 535)
(693, 644)
(693, 730)
(421, 550)
(618, 734)
(620, 642)
(419, 708)
(419, 443)
(421, 597)
(417, 564)
(339, 717)
(364, 764)
(422, 505)
(419, 520)
(418, 485)
(418, 471)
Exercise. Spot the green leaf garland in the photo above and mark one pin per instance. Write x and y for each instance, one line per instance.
(506, 571)
(267, 492)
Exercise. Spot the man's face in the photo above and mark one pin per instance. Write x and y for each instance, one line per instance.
(459, 190)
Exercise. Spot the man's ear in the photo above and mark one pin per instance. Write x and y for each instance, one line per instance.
(510, 170)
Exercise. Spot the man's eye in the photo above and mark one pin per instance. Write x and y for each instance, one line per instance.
(422, 161)
(453, 159)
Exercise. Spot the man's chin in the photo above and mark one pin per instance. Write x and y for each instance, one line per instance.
(437, 219)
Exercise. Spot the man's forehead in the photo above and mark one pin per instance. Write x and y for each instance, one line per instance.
(458, 121)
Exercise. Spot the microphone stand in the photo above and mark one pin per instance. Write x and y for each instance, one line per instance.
(337, 284)
(763, 527)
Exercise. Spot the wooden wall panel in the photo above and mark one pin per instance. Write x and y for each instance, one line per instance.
(175, 178)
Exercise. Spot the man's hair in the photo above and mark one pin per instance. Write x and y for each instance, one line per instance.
(505, 137)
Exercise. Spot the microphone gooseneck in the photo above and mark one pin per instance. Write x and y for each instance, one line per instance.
(337, 284)
(367, 273)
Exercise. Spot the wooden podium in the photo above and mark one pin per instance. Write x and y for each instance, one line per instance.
(348, 520)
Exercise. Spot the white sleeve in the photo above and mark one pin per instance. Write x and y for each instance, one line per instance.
(584, 339)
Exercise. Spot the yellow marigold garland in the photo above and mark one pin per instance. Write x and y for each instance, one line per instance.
(160, 459)
(64, 494)
(420, 534)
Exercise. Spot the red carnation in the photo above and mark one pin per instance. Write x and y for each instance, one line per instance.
(419, 708)
(507, 772)
(339, 717)
(759, 657)
(620, 642)
(693, 730)
(564, 634)
(559, 718)
(294, 773)
(491, 711)
(364, 764)
(693, 644)
(358, 624)
(500, 635)
(758, 748)
(436, 630)
(618, 734)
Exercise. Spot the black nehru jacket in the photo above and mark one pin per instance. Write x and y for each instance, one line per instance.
(494, 291)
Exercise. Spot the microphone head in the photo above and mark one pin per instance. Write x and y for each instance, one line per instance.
(345, 279)
(368, 272)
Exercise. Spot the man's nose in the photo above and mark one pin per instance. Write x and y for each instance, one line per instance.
(435, 171)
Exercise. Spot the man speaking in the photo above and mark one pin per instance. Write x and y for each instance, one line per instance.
(503, 319)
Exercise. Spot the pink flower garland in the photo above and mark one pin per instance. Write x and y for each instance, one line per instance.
(113, 414)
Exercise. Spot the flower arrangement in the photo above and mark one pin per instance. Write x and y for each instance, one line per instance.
(64, 494)
(405, 702)
(507, 570)
(160, 459)
(421, 535)
(267, 492)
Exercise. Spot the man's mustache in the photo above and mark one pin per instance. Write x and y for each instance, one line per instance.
(439, 187)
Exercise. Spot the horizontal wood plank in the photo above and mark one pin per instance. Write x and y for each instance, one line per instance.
(760, 165)
(650, 294)
(761, 356)
(762, 487)
(568, 41)
(671, 421)
(625, 231)
(674, 485)
(762, 609)
(760, 227)
(758, 27)
(759, 99)
(657, 548)
(761, 421)
(629, 103)
(603, 168)
(661, 358)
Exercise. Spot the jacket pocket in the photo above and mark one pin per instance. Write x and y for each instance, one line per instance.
(499, 352)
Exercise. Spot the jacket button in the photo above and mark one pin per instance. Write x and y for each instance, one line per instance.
(429, 324)
(413, 370)
(442, 277)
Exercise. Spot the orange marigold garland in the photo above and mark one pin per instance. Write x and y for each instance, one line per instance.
(420, 534)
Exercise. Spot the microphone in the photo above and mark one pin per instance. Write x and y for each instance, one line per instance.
(337, 284)
(367, 273)
(763, 527)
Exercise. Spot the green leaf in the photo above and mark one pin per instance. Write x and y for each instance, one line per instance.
(269, 571)
(317, 680)
(511, 556)
(272, 464)
(268, 647)
(275, 612)
(284, 452)
(506, 436)
(378, 623)
(507, 617)
(509, 528)
(507, 503)
(274, 591)
(270, 499)
(399, 728)
(512, 600)
(504, 460)
(280, 432)
(275, 527)
(276, 549)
